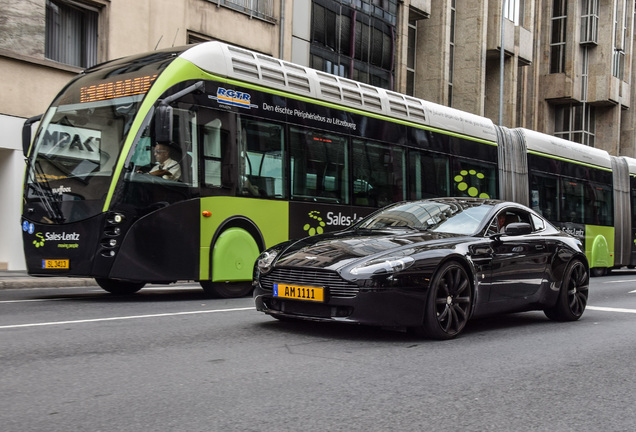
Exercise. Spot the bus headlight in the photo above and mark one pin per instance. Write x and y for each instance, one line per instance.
(115, 218)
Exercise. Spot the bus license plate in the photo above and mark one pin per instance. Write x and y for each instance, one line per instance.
(299, 292)
(54, 264)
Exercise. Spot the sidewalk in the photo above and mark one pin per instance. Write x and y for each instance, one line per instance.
(20, 279)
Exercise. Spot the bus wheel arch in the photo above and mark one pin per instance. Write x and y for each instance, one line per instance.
(600, 257)
(234, 248)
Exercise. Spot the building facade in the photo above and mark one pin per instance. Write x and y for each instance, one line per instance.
(565, 67)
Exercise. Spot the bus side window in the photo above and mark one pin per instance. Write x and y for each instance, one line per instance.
(545, 195)
(261, 159)
(430, 175)
(319, 170)
(378, 173)
(474, 179)
(598, 204)
(211, 139)
(572, 200)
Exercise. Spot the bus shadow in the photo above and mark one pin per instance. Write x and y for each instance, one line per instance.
(158, 294)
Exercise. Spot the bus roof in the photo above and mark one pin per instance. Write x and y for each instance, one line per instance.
(229, 61)
(631, 164)
(558, 147)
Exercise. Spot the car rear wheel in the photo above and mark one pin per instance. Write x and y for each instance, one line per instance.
(449, 302)
(573, 294)
(119, 287)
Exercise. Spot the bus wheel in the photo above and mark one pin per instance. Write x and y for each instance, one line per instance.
(226, 289)
(119, 287)
(598, 271)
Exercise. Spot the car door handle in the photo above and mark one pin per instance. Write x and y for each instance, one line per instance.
(539, 247)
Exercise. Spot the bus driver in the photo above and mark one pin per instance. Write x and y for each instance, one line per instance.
(166, 167)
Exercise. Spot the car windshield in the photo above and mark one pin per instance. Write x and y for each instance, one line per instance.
(437, 216)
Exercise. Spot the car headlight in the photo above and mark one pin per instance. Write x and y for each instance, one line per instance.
(382, 266)
(265, 260)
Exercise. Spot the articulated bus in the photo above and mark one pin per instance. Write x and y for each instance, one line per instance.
(258, 150)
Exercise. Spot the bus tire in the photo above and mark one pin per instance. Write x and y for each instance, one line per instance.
(598, 271)
(119, 287)
(226, 289)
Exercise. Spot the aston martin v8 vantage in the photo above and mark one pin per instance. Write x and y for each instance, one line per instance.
(428, 265)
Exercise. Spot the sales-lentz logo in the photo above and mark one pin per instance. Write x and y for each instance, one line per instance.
(317, 225)
(64, 239)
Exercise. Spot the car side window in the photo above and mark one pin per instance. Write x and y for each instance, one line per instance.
(538, 223)
(493, 228)
(505, 218)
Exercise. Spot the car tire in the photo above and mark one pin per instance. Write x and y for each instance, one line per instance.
(119, 287)
(449, 303)
(572, 297)
(226, 289)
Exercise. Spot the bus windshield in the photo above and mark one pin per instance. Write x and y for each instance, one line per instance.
(80, 138)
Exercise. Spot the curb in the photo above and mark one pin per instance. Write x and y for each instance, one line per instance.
(44, 282)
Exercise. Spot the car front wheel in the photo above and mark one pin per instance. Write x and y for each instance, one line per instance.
(449, 302)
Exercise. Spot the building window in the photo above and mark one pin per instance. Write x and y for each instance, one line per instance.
(585, 71)
(71, 33)
(410, 58)
(575, 122)
(262, 9)
(620, 40)
(451, 53)
(355, 41)
(589, 22)
(618, 64)
(513, 10)
(557, 39)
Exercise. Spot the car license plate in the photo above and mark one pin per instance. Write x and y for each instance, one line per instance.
(55, 264)
(299, 292)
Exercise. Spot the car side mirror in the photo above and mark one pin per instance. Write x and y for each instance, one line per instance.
(518, 229)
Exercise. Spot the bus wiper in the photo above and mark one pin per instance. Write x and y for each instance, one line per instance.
(45, 195)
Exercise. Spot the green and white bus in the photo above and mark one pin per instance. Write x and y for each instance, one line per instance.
(261, 150)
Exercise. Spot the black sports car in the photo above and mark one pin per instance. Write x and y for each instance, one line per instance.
(429, 266)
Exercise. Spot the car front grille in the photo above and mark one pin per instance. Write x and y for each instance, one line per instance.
(336, 286)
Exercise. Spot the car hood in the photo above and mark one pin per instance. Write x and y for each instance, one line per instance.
(335, 251)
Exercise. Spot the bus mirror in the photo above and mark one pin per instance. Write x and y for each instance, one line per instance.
(26, 133)
(163, 124)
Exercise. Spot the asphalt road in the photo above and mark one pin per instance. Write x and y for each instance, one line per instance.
(167, 359)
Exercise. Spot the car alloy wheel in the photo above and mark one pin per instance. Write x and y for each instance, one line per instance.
(449, 302)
